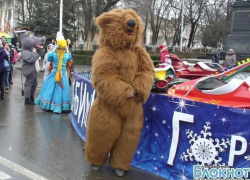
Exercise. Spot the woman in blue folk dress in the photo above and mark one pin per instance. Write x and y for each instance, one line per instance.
(55, 93)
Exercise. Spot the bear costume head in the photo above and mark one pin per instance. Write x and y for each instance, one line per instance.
(119, 28)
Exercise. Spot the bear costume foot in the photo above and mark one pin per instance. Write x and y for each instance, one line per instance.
(95, 168)
(119, 172)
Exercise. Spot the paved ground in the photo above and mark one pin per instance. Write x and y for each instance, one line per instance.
(35, 144)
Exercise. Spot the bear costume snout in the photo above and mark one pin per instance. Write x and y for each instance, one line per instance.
(131, 23)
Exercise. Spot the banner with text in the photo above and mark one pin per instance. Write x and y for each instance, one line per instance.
(179, 134)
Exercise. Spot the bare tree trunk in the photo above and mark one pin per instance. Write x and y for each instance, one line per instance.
(165, 34)
(176, 39)
(89, 41)
(229, 3)
(161, 10)
(23, 14)
(154, 39)
(145, 30)
(87, 7)
(191, 35)
(90, 28)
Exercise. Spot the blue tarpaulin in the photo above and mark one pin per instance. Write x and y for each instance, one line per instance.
(178, 133)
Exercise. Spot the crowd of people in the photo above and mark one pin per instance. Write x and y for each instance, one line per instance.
(8, 58)
(230, 59)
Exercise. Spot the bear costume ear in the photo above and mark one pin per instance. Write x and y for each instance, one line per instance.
(104, 19)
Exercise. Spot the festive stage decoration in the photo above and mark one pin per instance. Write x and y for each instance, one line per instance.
(229, 88)
(178, 133)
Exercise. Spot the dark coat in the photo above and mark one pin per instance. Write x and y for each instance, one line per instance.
(215, 58)
(3, 56)
(11, 54)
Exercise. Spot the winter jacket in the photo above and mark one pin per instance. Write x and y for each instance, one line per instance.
(230, 60)
(46, 65)
(3, 56)
(215, 58)
(15, 57)
(164, 53)
(11, 55)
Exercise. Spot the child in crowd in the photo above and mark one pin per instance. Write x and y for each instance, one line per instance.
(46, 63)
(15, 57)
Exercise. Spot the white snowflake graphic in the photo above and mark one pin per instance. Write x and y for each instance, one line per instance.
(204, 149)
(182, 104)
(224, 120)
(154, 108)
(247, 157)
(182, 175)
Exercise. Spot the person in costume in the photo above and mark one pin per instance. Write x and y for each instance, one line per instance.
(69, 65)
(55, 93)
(165, 57)
(30, 44)
(122, 75)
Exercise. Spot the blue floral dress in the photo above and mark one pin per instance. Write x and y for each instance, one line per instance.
(52, 96)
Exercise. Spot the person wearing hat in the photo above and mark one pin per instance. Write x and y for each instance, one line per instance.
(230, 59)
(165, 57)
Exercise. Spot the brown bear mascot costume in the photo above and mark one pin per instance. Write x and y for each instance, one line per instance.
(123, 75)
